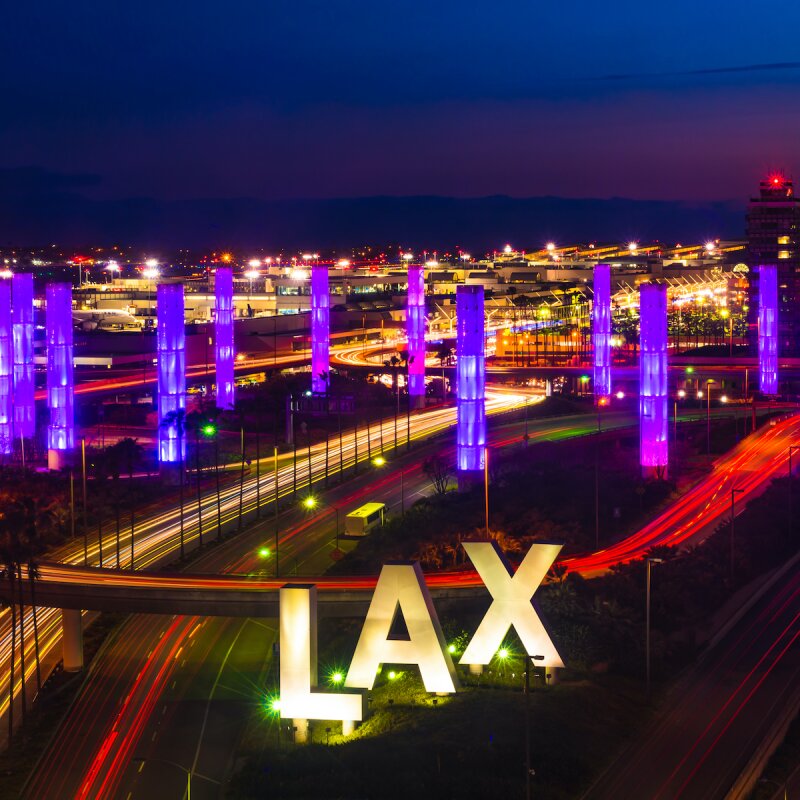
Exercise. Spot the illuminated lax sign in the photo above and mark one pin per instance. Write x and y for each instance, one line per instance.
(401, 587)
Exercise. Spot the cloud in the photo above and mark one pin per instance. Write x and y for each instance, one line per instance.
(743, 68)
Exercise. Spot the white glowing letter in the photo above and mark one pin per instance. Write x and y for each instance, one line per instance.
(511, 603)
(401, 586)
(298, 656)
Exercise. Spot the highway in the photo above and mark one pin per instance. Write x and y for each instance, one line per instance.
(714, 719)
(186, 656)
(157, 536)
(307, 545)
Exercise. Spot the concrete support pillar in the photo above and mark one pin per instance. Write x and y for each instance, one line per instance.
(476, 669)
(548, 388)
(300, 731)
(348, 727)
(57, 459)
(72, 639)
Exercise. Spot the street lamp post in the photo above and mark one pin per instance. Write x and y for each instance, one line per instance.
(734, 492)
(528, 662)
(792, 448)
(650, 562)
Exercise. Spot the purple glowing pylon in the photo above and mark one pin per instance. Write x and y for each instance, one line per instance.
(653, 420)
(471, 380)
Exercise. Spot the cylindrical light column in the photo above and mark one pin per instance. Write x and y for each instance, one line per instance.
(22, 334)
(320, 329)
(653, 419)
(6, 370)
(223, 337)
(601, 331)
(471, 382)
(768, 328)
(171, 341)
(415, 332)
(60, 379)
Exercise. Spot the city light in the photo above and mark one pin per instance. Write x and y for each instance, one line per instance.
(768, 328)
(171, 342)
(633, 246)
(151, 263)
(653, 419)
(620, 395)
(710, 247)
(254, 263)
(320, 329)
(601, 330)
(209, 429)
(550, 247)
(379, 461)
(151, 273)
(508, 249)
(681, 393)
(310, 502)
(407, 256)
(252, 274)
(502, 653)
(471, 376)
(223, 337)
(263, 552)
(343, 263)
(337, 678)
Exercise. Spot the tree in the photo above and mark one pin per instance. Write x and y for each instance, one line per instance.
(439, 471)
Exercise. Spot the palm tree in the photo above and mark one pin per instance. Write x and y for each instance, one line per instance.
(130, 451)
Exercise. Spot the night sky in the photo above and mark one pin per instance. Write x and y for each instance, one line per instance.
(681, 100)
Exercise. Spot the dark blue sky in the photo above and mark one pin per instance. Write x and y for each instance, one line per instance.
(300, 98)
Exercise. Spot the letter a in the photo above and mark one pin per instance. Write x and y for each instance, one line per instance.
(511, 603)
(402, 586)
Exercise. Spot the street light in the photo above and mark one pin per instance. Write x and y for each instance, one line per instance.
(650, 562)
(310, 502)
(734, 492)
(528, 771)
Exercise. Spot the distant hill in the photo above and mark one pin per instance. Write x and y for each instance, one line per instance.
(34, 212)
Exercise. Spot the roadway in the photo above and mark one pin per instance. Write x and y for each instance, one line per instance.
(716, 716)
(197, 674)
(158, 535)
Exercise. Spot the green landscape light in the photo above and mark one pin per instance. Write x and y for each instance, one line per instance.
(392, 675)
(209, 429)
(502, 653)
(451, 648)
(379, 461)
(584, 378)
(264, 552)
(337, 677)
(310, 501)
(689, 370)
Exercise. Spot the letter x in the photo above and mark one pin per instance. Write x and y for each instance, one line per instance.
(511, 603)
